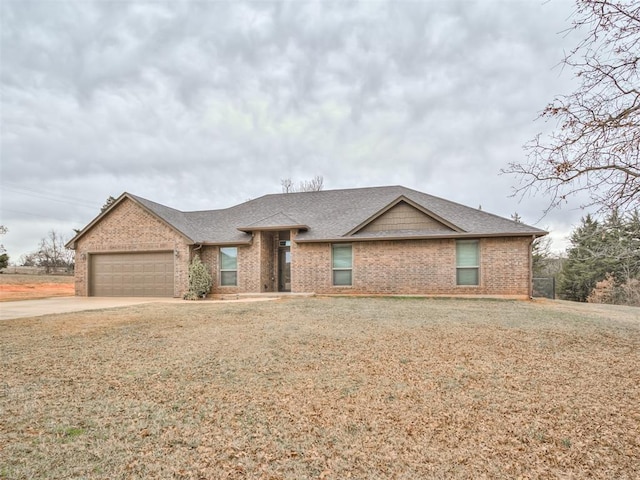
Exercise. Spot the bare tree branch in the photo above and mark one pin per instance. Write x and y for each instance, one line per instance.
(314, 185)
(596, 146)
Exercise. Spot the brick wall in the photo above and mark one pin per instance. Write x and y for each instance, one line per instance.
(268, 255)
(130, 228)
(210, 257)
(415, 267)
(505, 265)
(249, 272)
(257, 266)
(420, 267)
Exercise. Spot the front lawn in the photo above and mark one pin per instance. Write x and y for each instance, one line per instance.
(328, 388)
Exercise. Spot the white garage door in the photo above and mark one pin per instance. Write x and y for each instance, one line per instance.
(131, 275)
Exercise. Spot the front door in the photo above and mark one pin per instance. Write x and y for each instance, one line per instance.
(284, 269)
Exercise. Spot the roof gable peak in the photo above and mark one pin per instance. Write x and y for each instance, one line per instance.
(143, 203)
(404, 214)
(277, 221)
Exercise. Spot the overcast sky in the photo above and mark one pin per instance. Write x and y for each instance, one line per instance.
(203, 105)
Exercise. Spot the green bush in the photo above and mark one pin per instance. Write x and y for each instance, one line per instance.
(200, 280)
(4, 261)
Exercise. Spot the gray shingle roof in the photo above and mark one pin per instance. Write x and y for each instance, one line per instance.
(277, 221)
(331, 215)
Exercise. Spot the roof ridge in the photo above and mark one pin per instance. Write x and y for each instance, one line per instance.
(323, 215)
(188, 214)
(377, 187)
(146, 200)
(282, 194)
(478, 210)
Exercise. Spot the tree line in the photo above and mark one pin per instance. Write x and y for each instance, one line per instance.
(50, 255)
(594, 152)
(603, 261)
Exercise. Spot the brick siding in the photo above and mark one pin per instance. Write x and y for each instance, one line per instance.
(249, 271)
(410, 267)
(268, 256)
(415, 267)
(130, 228)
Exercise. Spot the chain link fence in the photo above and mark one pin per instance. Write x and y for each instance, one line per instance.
(544, 287)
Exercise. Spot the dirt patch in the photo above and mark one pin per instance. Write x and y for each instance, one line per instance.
(323, 388)
(31, 287)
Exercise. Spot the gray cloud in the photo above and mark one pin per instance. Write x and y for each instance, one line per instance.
(205, 104)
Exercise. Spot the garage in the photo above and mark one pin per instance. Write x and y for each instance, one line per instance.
(148, 274)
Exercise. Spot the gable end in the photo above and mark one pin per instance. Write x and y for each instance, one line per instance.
(405, 215)
(122, 198)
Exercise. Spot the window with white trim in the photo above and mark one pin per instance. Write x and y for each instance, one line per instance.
(467, 262)
(342, 264)
(228, 266)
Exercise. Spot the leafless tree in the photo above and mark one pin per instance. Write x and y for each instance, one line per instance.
(3, 231)
(595, 147)
(27, 260)
(52, 253)
(287, 185)
(314, 185)
(4, 258)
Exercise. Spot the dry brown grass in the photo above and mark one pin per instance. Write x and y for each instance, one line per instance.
(30, 287)
(323, 388)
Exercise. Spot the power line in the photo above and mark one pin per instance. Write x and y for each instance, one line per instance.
(44, 192)
(29, 213)
(52, 197)
(47, 195)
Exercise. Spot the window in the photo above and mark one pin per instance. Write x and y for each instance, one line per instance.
(342, 264)
(228, 266)
(467, 262)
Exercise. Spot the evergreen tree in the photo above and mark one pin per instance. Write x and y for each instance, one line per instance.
(110, 201)
(583, 267)
(612, 248)
(4, 261)
(631, 248)
(603, 256)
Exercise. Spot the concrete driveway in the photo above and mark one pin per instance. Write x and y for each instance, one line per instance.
(48, 306)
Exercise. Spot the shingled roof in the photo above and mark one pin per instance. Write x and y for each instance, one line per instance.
(333, 215)
(330, 215)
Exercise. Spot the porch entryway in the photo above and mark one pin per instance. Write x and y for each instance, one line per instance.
(284, 265)
(275, 261)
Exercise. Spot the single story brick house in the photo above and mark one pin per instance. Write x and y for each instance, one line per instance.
(379, 240)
